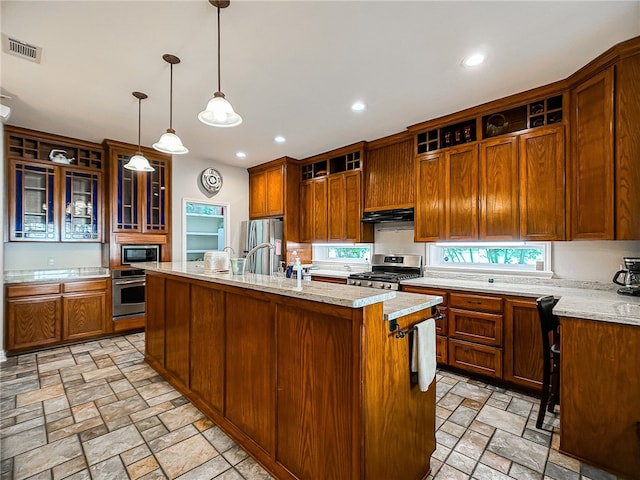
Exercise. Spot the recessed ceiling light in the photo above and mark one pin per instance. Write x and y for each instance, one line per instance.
(473, 60)
(358, 106)
(241, 155)
(280, 139)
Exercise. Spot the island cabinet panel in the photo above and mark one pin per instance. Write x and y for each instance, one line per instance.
(522, 343)
(155, 321)
(542, 184)
(250, 367)
(208, 345)
(499, 189)
(600, 389)
(394, 406)
(312, 390)
(177, 308)
(313, 404)
(592, 202)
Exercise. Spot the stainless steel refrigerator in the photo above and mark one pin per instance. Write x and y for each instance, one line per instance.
(255, 232)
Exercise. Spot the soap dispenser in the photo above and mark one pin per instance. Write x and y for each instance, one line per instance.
(298, 268)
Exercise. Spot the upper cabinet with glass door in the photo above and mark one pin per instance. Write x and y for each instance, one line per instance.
(55, 187)
(141, 201)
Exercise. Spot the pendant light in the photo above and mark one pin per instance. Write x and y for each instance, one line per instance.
(169, 142)
(138, 162)
(219, 112)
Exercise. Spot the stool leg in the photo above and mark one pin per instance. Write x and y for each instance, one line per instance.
(554, 397)
(544, 398)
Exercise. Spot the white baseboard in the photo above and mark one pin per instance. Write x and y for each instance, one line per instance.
(3, 356)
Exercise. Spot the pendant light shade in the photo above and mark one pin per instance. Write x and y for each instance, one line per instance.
(138, 162)
(170, 142)
(219, 112)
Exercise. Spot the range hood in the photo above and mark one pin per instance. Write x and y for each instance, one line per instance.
(394, 215)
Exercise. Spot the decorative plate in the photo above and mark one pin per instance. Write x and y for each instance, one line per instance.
(211, 180)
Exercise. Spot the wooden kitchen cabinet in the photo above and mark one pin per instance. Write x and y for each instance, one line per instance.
(475, 333)
(140, 201)
(389, 174)
(320, 207)
(461, 187)
(430, 197)
(275, 191)
(498, 195)
(627, 147)
(208, 344)
(522, 343)
(249, 394)
(45, 314)
(447, 195)
(84, 306)
(55, 187)
(442, 331)
(266, 193)
(176, 340)
(154, 333)
(600, 389)
(542, 184)
(331, 197)
(34, 316)
(344, 209)
(592, 167)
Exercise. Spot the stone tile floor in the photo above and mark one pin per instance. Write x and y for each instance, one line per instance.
(97, 411)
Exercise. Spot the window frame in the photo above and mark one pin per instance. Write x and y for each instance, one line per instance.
(320, 253)
(435, 262)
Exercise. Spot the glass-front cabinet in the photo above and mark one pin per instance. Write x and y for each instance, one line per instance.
(33, 216)
(55, 187)
(204, 227)
(82, 204)
(141, 203)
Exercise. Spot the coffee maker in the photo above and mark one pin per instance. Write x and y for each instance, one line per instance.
(631, 285)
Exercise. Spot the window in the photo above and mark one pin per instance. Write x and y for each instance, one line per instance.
(511, 256)
(342, 252)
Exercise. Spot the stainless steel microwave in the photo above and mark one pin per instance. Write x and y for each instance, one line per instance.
(139, 253)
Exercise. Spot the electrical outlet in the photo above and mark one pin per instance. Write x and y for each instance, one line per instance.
(51, 261)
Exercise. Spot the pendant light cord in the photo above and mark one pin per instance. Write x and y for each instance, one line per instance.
(171, 98)
(139, 122)
(219, 50)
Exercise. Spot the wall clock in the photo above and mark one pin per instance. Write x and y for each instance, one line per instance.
(211, 181)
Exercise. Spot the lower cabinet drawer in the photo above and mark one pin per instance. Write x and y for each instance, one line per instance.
(476, 358)
(480, 327)
(441, 349)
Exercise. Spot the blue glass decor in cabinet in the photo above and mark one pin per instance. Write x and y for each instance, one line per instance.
(34, 217)
(127, 203)
(82, 206)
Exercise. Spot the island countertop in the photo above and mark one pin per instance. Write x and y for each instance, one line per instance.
(353, 297)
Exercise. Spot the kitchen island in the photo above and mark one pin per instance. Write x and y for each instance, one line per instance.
(309, 379)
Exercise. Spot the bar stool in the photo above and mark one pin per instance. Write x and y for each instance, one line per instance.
(551, 357)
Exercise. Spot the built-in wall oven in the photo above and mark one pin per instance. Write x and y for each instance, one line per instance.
(128, 292)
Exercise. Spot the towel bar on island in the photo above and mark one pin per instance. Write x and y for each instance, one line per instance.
(394, 327)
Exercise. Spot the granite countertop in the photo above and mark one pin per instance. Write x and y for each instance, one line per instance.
(314, 291)
(326, 272)
(587, 300)
(406, 303)
(53, 275)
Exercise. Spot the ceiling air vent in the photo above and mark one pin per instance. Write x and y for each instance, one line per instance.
(20, 49)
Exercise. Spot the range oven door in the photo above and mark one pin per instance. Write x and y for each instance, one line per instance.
(128, 294)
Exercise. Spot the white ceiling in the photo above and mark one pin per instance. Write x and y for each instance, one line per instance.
(290, 68)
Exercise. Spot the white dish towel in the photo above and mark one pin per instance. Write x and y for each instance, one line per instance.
(423, 358)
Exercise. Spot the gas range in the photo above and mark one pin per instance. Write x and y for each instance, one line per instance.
(387, 271)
